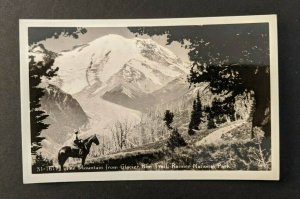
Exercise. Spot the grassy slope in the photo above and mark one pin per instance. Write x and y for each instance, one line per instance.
(157, 151)
(233, 150)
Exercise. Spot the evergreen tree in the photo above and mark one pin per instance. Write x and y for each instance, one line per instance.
(192, 121)
(210, 119)
(196, 115)
(175, 140)
(218, 109)
(38, 71)
(168, 118)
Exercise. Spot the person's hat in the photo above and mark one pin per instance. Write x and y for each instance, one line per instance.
(75, 131)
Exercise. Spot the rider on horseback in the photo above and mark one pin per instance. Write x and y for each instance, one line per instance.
(79, 143)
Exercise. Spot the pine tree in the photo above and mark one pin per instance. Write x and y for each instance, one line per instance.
(217, 109)
(168, 118)
(192, 121)
(211, 123)
(37, 71)
(175, 140)
(196, 115)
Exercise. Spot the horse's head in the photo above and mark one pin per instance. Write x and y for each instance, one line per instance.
(95, 140)
(90, 140)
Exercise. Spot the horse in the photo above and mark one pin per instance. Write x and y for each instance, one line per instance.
(71, 151)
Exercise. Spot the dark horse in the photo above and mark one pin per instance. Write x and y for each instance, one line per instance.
(71, 151)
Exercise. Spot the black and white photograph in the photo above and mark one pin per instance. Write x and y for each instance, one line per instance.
(190, 98)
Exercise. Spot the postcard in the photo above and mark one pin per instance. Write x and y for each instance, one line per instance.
(149, 99)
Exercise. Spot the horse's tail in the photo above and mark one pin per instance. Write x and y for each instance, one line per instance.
(62, 156)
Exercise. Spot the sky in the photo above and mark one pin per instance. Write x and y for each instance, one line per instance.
(66, 43)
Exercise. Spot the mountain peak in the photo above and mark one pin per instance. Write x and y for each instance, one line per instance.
(38, 48)
(39, 52)
(102, 61)
(110, 39)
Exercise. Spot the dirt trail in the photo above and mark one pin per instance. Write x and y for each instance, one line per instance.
(216, 136)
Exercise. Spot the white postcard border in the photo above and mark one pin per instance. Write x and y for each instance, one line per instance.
(28, 177)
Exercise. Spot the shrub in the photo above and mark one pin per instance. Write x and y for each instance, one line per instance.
(168, 118)
(175, 140)
(41, 162)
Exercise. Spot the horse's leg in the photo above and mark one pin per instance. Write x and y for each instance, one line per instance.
(62, 167)
(62, 163)
(62, 159)
(83, 160)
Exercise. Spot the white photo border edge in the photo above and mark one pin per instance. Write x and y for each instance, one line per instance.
(28, 177)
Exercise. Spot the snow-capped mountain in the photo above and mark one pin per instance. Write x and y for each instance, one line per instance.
(115, 62)
(113, 79)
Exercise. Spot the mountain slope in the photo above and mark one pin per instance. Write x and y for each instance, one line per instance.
(65, 114)
(137, 61)
(40, 52)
